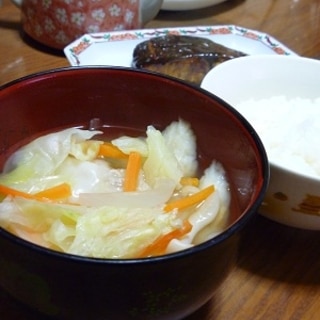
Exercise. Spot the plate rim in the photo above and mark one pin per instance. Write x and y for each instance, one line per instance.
(74, 50)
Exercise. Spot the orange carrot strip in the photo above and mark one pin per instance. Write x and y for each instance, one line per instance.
(189, 181)
(108, 150)
(159, 246)
(190, 200)
(16, 193)
(60, 191)
(132, 172)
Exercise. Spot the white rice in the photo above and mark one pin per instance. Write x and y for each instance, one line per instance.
(289, 129)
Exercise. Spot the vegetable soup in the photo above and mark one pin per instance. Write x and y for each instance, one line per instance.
(73, 191)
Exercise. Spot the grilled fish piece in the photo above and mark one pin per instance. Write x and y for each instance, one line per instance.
(185, 57)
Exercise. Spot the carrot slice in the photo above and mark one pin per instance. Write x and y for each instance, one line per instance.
(190, 200)
(132, 172)
(15, 193)
(58, 192)
(189, 181)
(108, 150)
(159, 246)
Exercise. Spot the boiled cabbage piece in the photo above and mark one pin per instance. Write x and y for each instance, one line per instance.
(171, 154)
(211, 217)
(31, 168)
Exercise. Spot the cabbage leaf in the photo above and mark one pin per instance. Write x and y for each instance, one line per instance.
(30, 167)
(181, 140)
(161, 162)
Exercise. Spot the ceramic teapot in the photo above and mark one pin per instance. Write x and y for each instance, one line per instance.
(56, 23)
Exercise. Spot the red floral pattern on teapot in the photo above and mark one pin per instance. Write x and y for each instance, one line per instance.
(59, 22)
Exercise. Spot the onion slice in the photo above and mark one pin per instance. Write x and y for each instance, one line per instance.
(155, 197)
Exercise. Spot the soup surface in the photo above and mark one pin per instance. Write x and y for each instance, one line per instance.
(124, 197)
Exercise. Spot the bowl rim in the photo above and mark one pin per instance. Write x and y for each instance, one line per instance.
(298, 174)
(260, 58)
(237, 225)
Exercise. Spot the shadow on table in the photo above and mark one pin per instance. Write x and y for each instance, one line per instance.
(39, 46)
(8, 24)
(279, 252)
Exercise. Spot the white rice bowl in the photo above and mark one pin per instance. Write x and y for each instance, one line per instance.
(280, 96)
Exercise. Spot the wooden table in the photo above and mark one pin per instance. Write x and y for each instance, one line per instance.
(277, 273)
